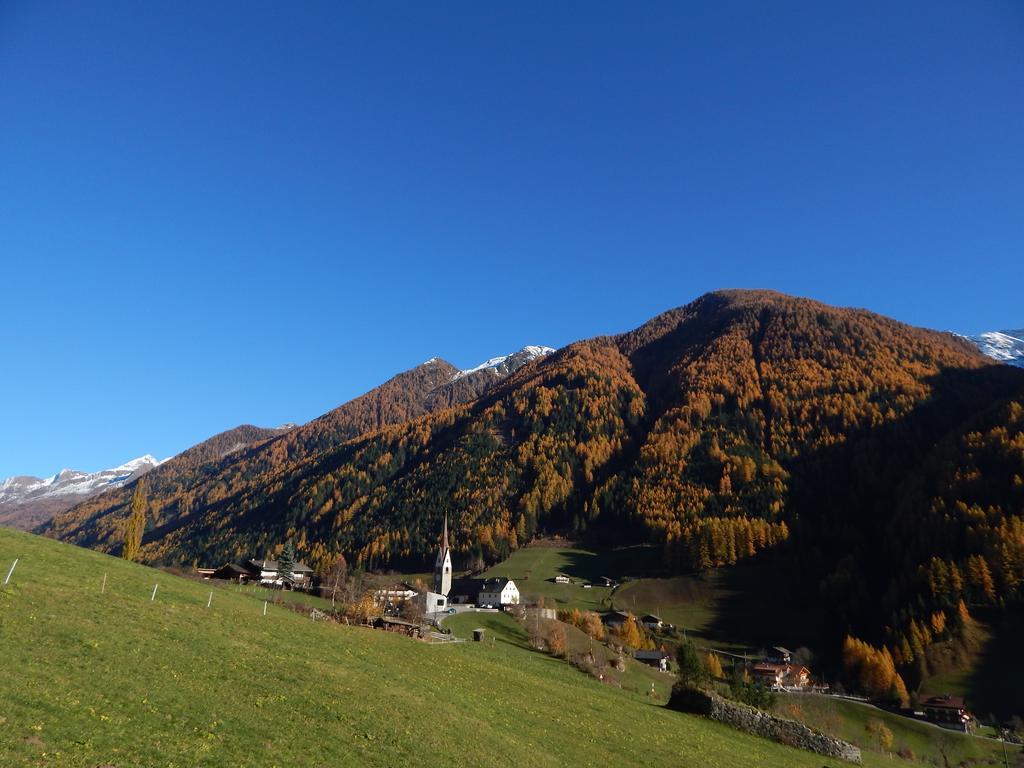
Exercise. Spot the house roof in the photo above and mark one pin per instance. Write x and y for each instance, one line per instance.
(945, 702)
(238, 570)
(272, 565)
(649, 655)
(616, 616)
(650, 617)
(495, 584)
(399, 588)
(783, 651)
(465, 586)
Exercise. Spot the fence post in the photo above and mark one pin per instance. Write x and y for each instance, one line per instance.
(264, 607)
(13, 566)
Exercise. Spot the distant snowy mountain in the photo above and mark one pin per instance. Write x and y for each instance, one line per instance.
(27, 501)
(1004, 346)
(502, 366)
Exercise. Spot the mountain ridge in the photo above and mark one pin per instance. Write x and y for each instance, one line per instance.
(745, 424)
(199, 478)
(27, 501)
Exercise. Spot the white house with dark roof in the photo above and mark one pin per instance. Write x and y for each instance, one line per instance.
(497, 592)
(267, 572)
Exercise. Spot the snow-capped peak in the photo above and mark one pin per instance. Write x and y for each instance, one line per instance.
(504, 364)
(1004, 346)
(137, 464)
(73, 482)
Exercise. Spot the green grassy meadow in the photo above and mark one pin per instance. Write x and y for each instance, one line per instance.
(116, 679)
(721, 608)
(993, 681)
(533, 569)
(637, 678)
(848, 720)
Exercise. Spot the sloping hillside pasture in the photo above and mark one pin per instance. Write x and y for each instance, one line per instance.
(637, 678)
(114, 678)
(728, 608)
(848, 720)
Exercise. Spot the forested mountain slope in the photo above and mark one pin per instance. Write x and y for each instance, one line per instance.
(220, 467)
(876, 465)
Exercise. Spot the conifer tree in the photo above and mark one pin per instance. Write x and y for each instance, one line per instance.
(692, 671)
(286, 562)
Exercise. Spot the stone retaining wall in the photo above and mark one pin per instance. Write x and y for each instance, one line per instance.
(751, 720)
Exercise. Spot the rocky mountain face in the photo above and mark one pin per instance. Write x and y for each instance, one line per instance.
(26, 502)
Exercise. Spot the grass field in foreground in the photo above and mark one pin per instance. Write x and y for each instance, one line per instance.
(115, 679)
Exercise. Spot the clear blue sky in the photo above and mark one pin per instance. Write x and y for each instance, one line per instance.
(219, 213)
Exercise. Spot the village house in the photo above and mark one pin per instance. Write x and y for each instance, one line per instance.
(391, 598)
(234, 572)
(561, 578)
(781, 676)
(498, 592)
(650, 621)
(656, 659)
(616, 619)
(797, 677)
(948, 711)
(768, 674)
(464, 591)
(268, 573)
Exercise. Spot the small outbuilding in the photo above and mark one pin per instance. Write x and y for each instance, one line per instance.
(478, 635)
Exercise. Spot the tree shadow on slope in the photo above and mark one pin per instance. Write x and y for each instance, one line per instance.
(858, 513)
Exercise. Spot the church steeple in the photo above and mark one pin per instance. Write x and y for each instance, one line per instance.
(443, 564)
